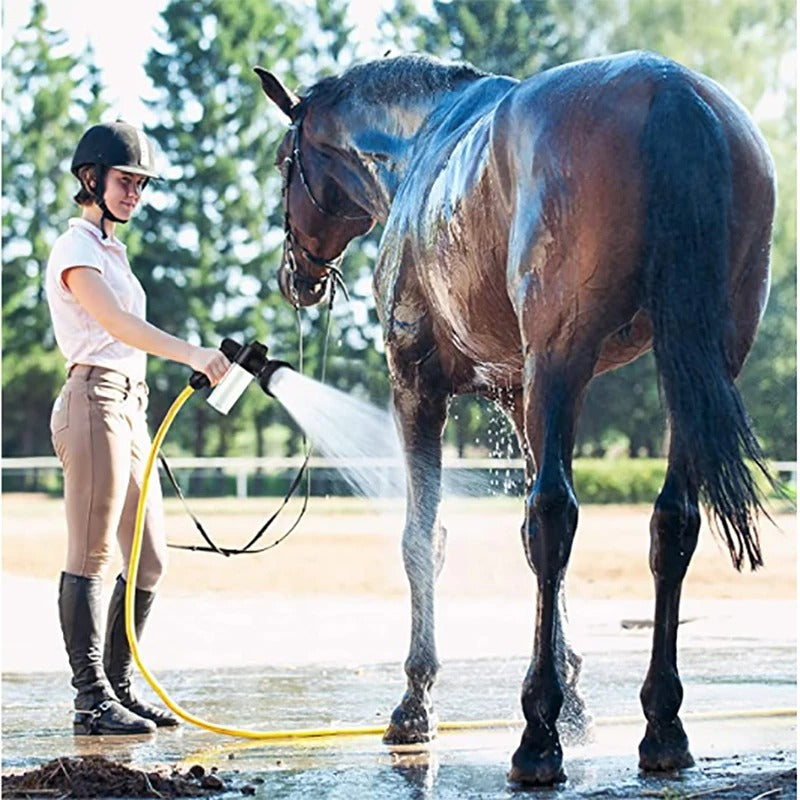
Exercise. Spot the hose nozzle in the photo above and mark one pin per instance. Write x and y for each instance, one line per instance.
(248, 361)
(270, 368)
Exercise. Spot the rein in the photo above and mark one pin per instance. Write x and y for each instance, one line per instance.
(330, 269)
(210, 546)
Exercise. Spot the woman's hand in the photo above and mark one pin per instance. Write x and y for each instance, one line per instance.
(211, 361)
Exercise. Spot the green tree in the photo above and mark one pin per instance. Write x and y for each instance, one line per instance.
(509, 37)
(49, 98)
(211, 240)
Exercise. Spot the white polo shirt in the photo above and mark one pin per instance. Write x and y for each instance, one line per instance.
(79, 336)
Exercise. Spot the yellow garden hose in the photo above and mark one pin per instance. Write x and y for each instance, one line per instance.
(130, 627)
(308, 733)
(214, 753)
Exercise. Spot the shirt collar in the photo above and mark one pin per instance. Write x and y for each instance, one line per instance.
(111, 241)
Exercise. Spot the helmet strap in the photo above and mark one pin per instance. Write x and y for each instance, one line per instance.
(98, 191)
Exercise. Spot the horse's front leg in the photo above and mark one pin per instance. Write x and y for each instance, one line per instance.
(552, 399)
(674, 528)
(421, 419)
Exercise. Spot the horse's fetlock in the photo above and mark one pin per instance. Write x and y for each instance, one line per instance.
(422, 671)
(661, 695)
(542, 696)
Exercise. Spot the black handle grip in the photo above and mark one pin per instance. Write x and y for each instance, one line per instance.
(230, 348)
(199, 380)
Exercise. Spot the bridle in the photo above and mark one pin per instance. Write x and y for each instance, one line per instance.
(329, 266)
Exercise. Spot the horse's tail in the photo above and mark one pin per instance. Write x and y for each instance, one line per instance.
(687, 275)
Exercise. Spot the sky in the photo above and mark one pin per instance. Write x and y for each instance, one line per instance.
(122, 33)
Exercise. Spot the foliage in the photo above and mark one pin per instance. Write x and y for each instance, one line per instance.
(618, 480)
(208, 243)
(637, 480)
(487, 35)
(48, 97)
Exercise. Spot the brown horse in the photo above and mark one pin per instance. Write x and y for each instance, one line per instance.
(537, 233)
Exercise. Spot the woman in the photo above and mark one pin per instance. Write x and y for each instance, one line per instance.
(98, 425)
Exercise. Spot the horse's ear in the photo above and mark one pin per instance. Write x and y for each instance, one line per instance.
(286, 100)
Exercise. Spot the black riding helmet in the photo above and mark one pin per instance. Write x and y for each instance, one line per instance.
(118, 145)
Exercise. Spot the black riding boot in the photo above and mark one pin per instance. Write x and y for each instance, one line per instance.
(96, 709)
(117, 656)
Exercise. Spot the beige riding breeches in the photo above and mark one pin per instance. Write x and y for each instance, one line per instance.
(99, 432)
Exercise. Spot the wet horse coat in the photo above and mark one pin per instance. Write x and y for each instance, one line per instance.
(537, 233)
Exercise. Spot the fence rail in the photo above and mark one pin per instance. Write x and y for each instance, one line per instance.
(243, 468)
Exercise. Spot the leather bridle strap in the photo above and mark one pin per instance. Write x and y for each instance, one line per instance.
(297, 159)
(329, 266)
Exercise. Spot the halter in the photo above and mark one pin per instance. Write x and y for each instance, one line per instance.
(330, 267)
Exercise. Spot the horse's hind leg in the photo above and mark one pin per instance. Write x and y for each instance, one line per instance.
(421, 419)
(575, 721)
(674, 528)
(553, 395)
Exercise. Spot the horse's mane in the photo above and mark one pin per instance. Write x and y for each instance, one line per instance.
(387, 79)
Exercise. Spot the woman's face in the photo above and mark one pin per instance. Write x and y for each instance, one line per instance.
(123, 192)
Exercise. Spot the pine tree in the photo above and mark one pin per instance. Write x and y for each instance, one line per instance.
(49, 98)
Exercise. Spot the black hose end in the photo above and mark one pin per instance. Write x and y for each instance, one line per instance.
(199, 380)
(270, 368)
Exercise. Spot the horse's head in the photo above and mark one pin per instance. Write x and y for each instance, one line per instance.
(319, 215)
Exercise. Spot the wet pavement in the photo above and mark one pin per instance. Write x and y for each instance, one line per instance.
(739, 697)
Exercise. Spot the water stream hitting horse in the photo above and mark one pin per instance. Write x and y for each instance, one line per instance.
(535, 234)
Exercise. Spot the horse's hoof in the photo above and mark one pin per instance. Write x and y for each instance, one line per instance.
(533, 767)
(412, 725)
(665, 749)
(544, 770)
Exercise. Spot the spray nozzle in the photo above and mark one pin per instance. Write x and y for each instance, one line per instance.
(270, 368)
(248, 361)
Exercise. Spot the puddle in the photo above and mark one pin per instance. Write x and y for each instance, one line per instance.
(723, 686)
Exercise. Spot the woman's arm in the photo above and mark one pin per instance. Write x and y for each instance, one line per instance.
(95, 296)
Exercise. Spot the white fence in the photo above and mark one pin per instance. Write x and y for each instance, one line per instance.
(242, 468)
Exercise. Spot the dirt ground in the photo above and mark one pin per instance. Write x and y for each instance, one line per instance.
(353, 547)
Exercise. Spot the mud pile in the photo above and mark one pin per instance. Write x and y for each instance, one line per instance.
(96, 776)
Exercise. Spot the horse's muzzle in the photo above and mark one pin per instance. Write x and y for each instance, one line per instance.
(303, 290)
